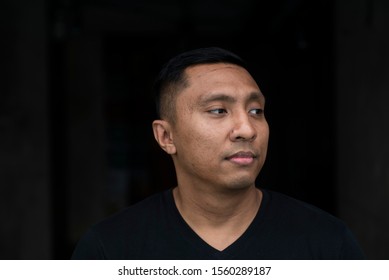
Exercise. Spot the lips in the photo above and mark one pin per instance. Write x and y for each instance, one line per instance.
(242, 158)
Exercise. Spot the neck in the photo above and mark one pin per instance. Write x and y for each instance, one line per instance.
(216, 206)
(219, 218)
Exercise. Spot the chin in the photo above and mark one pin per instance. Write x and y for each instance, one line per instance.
(240, 183)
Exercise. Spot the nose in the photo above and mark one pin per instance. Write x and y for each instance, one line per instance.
(243, 128)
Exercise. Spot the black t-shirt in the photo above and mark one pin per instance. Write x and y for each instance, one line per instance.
(284, 228)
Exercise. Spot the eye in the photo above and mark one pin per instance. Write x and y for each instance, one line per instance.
(218, 111)
(256, 111)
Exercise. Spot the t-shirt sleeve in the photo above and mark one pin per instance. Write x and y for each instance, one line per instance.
(89, 247)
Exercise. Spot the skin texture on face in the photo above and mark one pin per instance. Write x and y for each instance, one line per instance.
(219, 139)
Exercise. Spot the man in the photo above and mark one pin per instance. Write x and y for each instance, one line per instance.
(212, 123)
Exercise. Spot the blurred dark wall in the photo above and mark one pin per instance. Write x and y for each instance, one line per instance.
(362, 87)
(76, 108)
(25, 190)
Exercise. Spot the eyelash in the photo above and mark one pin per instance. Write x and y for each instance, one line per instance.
(220, 111)
(259, 111)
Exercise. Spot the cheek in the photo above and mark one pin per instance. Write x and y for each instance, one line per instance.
(199, 130)
(263, 133)
(203, 140)
(264, 141)
(200, 143)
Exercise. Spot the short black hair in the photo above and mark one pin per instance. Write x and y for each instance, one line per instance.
(172, 77)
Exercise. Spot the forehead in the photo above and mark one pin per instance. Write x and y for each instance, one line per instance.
(220, 79)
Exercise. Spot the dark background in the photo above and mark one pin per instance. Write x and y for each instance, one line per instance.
(76, 143)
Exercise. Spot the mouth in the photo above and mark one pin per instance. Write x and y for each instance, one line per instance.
(242, 158)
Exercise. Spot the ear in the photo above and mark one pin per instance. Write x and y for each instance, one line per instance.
(164, 136)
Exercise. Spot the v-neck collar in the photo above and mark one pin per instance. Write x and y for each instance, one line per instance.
(193, 238)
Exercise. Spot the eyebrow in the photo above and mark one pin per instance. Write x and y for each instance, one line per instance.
(254, 96)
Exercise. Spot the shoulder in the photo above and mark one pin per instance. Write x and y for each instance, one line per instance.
(112, 237)
(300, 218)
(136, 214)
(326, 235)
(287, 206)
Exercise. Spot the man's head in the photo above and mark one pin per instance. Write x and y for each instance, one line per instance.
(212, 120)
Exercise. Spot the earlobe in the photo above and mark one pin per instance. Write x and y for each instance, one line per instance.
(163, 135)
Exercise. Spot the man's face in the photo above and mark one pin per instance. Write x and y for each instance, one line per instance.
(220, 133)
